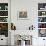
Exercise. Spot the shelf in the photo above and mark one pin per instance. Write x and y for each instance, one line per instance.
(42, 16)
(3, 10)
(41, 10)
(3, 22)
(3, 16)
(41, 28)
(41, 22)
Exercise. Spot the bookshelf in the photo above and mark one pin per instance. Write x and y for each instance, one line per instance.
(42, 19)
(4, 19)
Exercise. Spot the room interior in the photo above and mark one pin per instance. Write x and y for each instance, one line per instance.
(22, 22)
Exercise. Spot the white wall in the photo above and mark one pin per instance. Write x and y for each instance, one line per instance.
(32, 7)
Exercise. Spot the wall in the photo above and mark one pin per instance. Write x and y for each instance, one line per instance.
(31, 12)
(31, 6)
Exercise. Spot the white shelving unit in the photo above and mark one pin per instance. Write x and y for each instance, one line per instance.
(42, 19)
(4, 18)
(4, 23)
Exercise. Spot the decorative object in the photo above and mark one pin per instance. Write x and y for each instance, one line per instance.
(3, 6)
(41, 6)
(0, 7)
(13, 27)
(6, 7)
(43, 13)
(31, 27)
(42, 32)
(3, 19)
(41, 25)
(23, 40)
(3, 13)
(22, 43)
(41, 19)
(4, 29)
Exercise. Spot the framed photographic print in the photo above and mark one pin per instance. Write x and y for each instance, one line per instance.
(22, 15)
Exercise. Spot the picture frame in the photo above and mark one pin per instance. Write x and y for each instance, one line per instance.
(22, 15)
